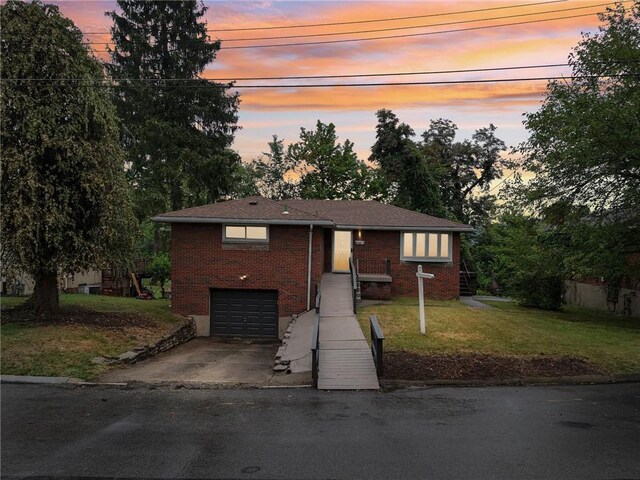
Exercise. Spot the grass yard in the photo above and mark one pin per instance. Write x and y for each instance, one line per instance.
(92, 326)
(609, 342)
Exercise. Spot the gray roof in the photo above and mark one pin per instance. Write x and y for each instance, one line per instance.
(352, 214)
(369, 214)
(248, 210)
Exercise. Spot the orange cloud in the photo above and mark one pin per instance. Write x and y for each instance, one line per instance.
(284, 110)
(372, 98)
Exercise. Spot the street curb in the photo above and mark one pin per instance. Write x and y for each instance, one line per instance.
(522, 382)
(385, 384)
(36, 380)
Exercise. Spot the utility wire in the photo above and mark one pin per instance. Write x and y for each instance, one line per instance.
(281, 27)
(327, 85)
(302, 77)
(412, 17)
(504, 180)
(411, 27)
(407, 35)
(386, 37)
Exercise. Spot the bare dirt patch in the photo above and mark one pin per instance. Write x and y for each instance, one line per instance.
(400, 365)
(82, 316)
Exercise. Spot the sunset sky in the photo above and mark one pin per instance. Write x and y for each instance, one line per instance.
(265, 112)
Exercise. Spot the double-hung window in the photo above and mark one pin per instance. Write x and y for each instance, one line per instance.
(246, 233)
(425, 247)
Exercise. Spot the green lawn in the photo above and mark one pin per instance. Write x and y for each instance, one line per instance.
(609, 341)
(67, 349)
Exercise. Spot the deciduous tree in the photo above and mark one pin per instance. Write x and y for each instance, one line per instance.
(584, 149)
(274, 172)
(584, 144)
(65, 204)
(465, 169)
(328, 169)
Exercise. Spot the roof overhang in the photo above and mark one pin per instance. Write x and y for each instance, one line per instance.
(244, 221)
(407, 228)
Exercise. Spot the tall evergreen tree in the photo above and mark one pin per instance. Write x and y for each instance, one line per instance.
(177, 127)
(64, 201)
(411, 181)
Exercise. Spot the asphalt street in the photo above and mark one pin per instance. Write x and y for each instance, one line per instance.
(566, 432)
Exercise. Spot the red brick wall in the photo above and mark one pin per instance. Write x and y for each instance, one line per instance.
(379, 244)
(200, 262)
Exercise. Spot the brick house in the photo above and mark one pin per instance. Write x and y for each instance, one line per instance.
(243, 267)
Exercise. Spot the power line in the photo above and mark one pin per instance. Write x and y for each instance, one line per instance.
(439, 82)
(302, 77)
(407, 35)
(282, 27)
(412, 17)
(330, 34)
(380, 84)
(411, 27)
(504, 180)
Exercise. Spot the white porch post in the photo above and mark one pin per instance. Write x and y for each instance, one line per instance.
(421, 276)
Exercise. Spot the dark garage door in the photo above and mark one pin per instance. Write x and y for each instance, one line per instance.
(244, 313)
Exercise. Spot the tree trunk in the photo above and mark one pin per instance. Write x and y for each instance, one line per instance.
(44, 301)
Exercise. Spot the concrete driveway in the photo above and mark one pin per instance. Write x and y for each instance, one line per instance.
(207, 360)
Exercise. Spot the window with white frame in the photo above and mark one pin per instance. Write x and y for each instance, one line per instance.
(426, 246)
(245, 233)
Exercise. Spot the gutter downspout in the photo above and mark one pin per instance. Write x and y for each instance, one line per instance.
(309, 268)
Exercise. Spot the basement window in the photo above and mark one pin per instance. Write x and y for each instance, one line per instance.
(245, 233)
(425, 247)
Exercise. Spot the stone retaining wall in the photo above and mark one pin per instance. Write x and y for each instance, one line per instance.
(178, 337)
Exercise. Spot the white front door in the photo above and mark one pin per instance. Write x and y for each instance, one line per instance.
(341, 250)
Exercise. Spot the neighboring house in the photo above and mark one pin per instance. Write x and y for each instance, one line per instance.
(243, 267)
(596, 294)
(81, 282)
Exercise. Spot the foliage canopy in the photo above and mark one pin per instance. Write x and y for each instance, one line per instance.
(65, 204)
(584, 144)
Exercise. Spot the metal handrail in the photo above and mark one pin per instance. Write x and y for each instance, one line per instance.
(315, 351)
(372, 266)
(354, 283)
(377, 338)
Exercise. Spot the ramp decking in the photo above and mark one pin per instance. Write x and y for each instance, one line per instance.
(345, 361)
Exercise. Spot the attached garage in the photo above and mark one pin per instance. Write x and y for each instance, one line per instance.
(244, 313)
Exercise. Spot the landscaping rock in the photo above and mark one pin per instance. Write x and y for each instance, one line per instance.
(280, 368)
(129, 357)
